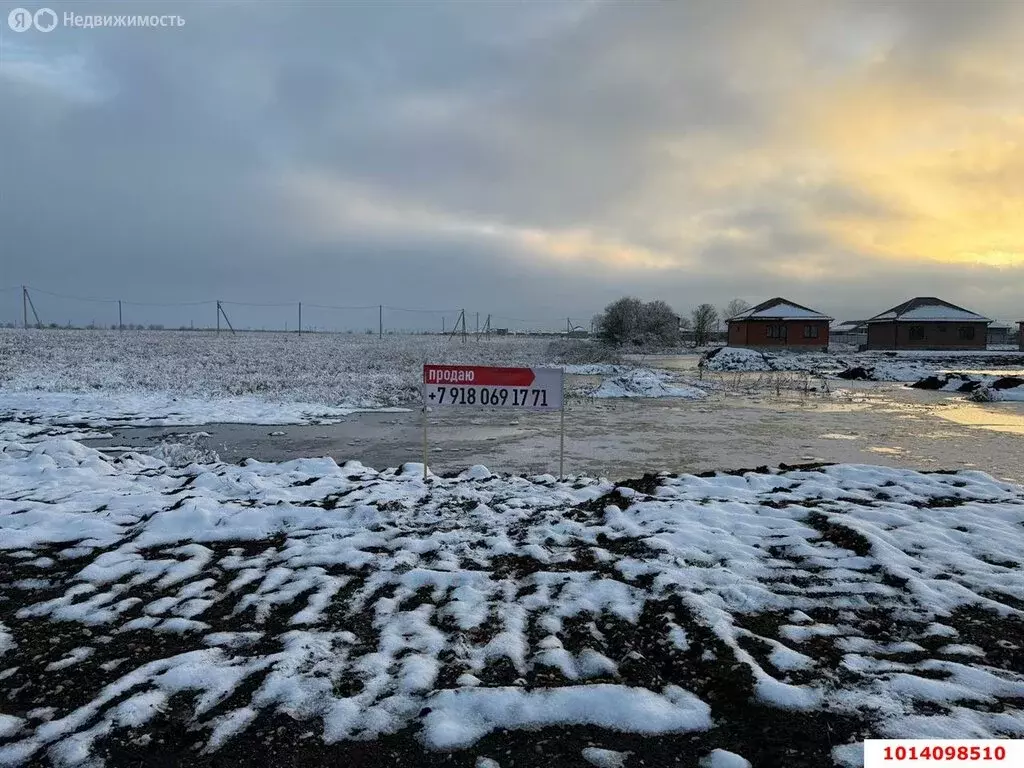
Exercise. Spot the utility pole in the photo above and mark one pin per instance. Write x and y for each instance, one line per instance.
(120, 322)
(442, 325)
(220, 311)
(300, 318)
(463, 326)
(478, 326)
(26, 302)
(380, 321)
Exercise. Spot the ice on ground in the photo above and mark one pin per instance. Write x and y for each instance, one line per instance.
(181, 453)
(157, 409)
(643, 382)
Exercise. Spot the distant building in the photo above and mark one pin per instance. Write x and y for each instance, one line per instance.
(1020, 335)
(853, 332)
(999, 333)
(926, 322)
(778, 323)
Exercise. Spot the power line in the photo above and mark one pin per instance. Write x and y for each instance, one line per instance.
(423, 311)
(71, 298)
(169, 304)
(114, 301)
(381, 308)
(332, 306)
(254, 304)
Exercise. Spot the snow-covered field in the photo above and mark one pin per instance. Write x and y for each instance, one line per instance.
(79, 383)
(74, 380)
(306, 613)
(333, 370)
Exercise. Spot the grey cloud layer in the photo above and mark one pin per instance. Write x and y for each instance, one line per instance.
(452, 154)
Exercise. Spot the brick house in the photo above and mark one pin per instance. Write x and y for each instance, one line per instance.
(777, 323)
(927, 323)
(1020, 335)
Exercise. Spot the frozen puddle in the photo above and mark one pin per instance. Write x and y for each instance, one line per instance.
(303, 612)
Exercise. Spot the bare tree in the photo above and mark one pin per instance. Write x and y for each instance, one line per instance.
(619, 323)
(631, 321)
(734, 307)
(705, 321)
(659, 325)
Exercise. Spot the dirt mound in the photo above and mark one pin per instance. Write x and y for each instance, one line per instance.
(1007, 382)
(858, 373)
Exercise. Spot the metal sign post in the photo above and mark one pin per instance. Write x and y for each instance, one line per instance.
(474, 386)
(561, 432)
(424, 440)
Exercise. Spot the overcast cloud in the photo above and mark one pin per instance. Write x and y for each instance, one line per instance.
(529, 160)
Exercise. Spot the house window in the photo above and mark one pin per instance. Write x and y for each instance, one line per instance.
(917, 333)
(966, 332)
(810, 331)
(776, 331)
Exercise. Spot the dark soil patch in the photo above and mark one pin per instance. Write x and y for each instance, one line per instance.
(857, 373)
(1007, 382)
(838, 534)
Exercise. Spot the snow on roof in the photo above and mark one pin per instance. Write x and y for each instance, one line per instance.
(780, 309)
(924, 309)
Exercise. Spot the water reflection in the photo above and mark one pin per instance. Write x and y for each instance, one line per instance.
(1000, 417)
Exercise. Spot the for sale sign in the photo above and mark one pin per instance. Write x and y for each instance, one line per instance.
(535, 389)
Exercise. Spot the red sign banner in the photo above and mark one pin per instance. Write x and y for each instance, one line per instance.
(479, 376)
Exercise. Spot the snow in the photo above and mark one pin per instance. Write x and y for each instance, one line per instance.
(881, 365)
(399, 604)
(9, 726)
(721, 758)
(595, 369)
(781, 311)
(604, 758)
(736, 359)
(990, 395)
(460, 718)
(78, 380)
(643, 382)
(931, 313)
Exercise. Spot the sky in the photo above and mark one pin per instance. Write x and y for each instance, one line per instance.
(528, 160)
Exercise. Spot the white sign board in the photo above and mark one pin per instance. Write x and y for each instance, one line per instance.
(533, 389)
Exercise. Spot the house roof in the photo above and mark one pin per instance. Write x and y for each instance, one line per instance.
(849, 324)
(927, 309)
(779, 309)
